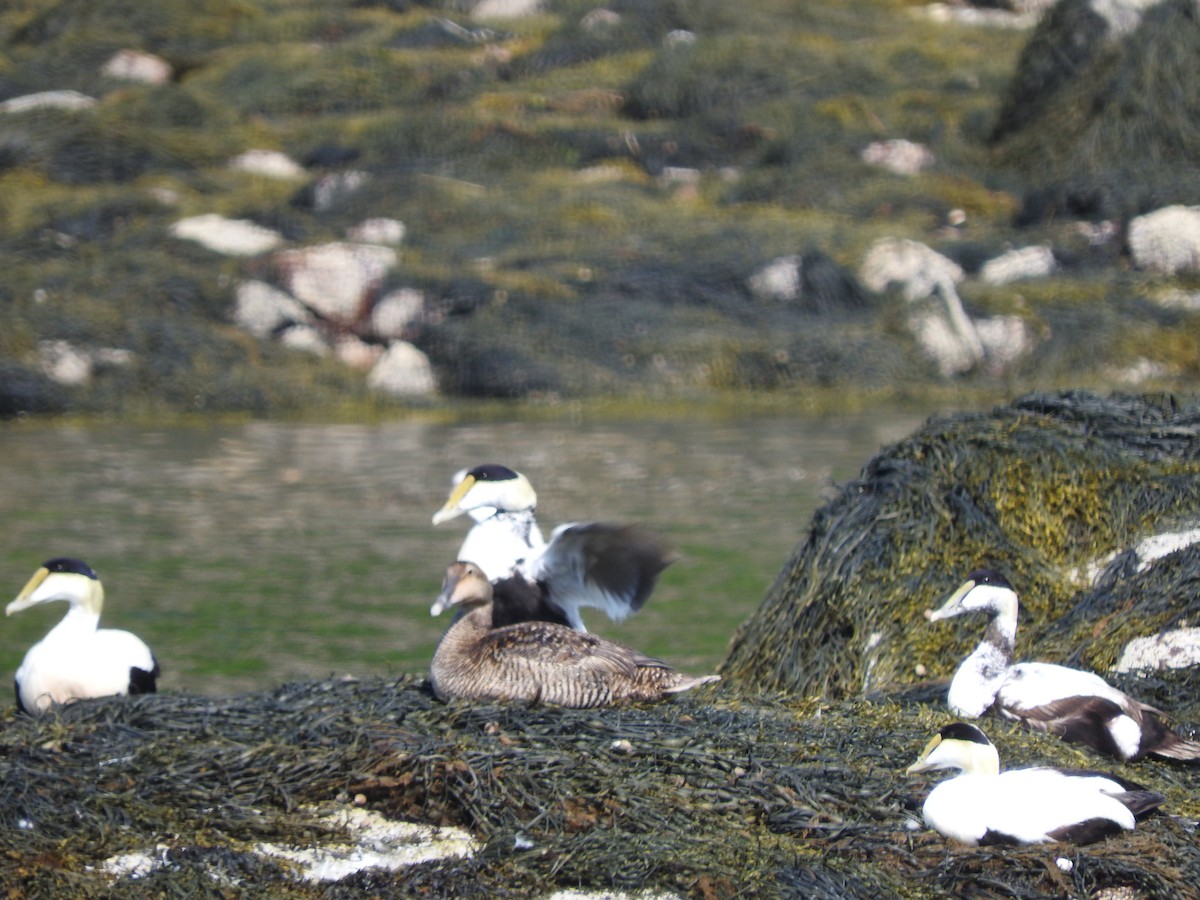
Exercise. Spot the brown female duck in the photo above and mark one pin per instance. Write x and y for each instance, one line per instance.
(540, 661)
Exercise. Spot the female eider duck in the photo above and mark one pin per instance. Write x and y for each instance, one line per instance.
(983, 805)
(1078, 706)
(538, 661)
(77, 659)
(606, 566)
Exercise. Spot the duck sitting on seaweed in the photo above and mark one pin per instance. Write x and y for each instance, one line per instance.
(1043, 804)
(538, 661)
(1079, 706)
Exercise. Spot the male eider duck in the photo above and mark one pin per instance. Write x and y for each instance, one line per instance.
(538, 661)
(594, 564)
(77, 659)
(983, 805)
(1078, 706)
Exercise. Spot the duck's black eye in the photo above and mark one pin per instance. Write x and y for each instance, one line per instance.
(989, 576)
(492, 472)
(67, 564)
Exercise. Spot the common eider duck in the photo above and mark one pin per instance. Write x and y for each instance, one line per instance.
(77, 659)
(1078, 706)
(605, 566)
(537, 661)
(983, 805)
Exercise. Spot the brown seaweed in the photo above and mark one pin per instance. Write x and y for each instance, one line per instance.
(711, 796)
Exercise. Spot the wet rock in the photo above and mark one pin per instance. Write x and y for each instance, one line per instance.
(64, 364)
(304, 338)
(1027, 262)
(974, 16)
(1167, 240)
(338, 281)
(395, 314)
(330, 190)
(230, 237)
(262, 309)
(356, 353)
(910, 264)
(778, 280)
(268, 163)
(403, 371)
(899, 156)
(1005, 340)
(48, 100)
(506, 9)
(136, 65)
(388, 232)
(1176, 649)
(600, 19)
(936, 316)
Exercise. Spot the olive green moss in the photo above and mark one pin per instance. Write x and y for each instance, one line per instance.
(531, 163)
(714, 795)
(1052, 490)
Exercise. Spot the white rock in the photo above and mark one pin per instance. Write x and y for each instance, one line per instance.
(599, 19)
(1122, 16)
(506, 9)
(778, 279)
(48, 100)
(1027, 262)
(1159, 545)
(135, 65)
(943, 13)
(63, 363)
(1176, 649)
(336, 280)
(330, 189)
(1167, 240)
(356, 353)
(305, 338)
(936, 316)
(680, 37)
(112, 357)
(918, 268)
(260, 308)
(268, 163)
(388, 232)
(393, 315)
(403, 370)
(942, 342)
(1005, 339)
(674, 175)
(899, 156)
(231, 237)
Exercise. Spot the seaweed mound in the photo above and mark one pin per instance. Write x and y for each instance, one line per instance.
(730, 797)
(1058, 491)
(1105, 104)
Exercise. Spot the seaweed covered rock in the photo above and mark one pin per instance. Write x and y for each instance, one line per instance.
(176, 795)
(1088, 504)
(1105, 102)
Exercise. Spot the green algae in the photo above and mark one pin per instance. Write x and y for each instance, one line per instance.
(1045, 490)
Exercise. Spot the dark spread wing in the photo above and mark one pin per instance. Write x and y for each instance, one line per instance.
(621, 563)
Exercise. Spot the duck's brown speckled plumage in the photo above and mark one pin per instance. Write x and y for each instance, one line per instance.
(540, 661)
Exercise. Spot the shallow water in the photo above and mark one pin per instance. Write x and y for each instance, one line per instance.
(249, 555)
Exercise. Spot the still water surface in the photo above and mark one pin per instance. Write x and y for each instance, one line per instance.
(249, 555)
